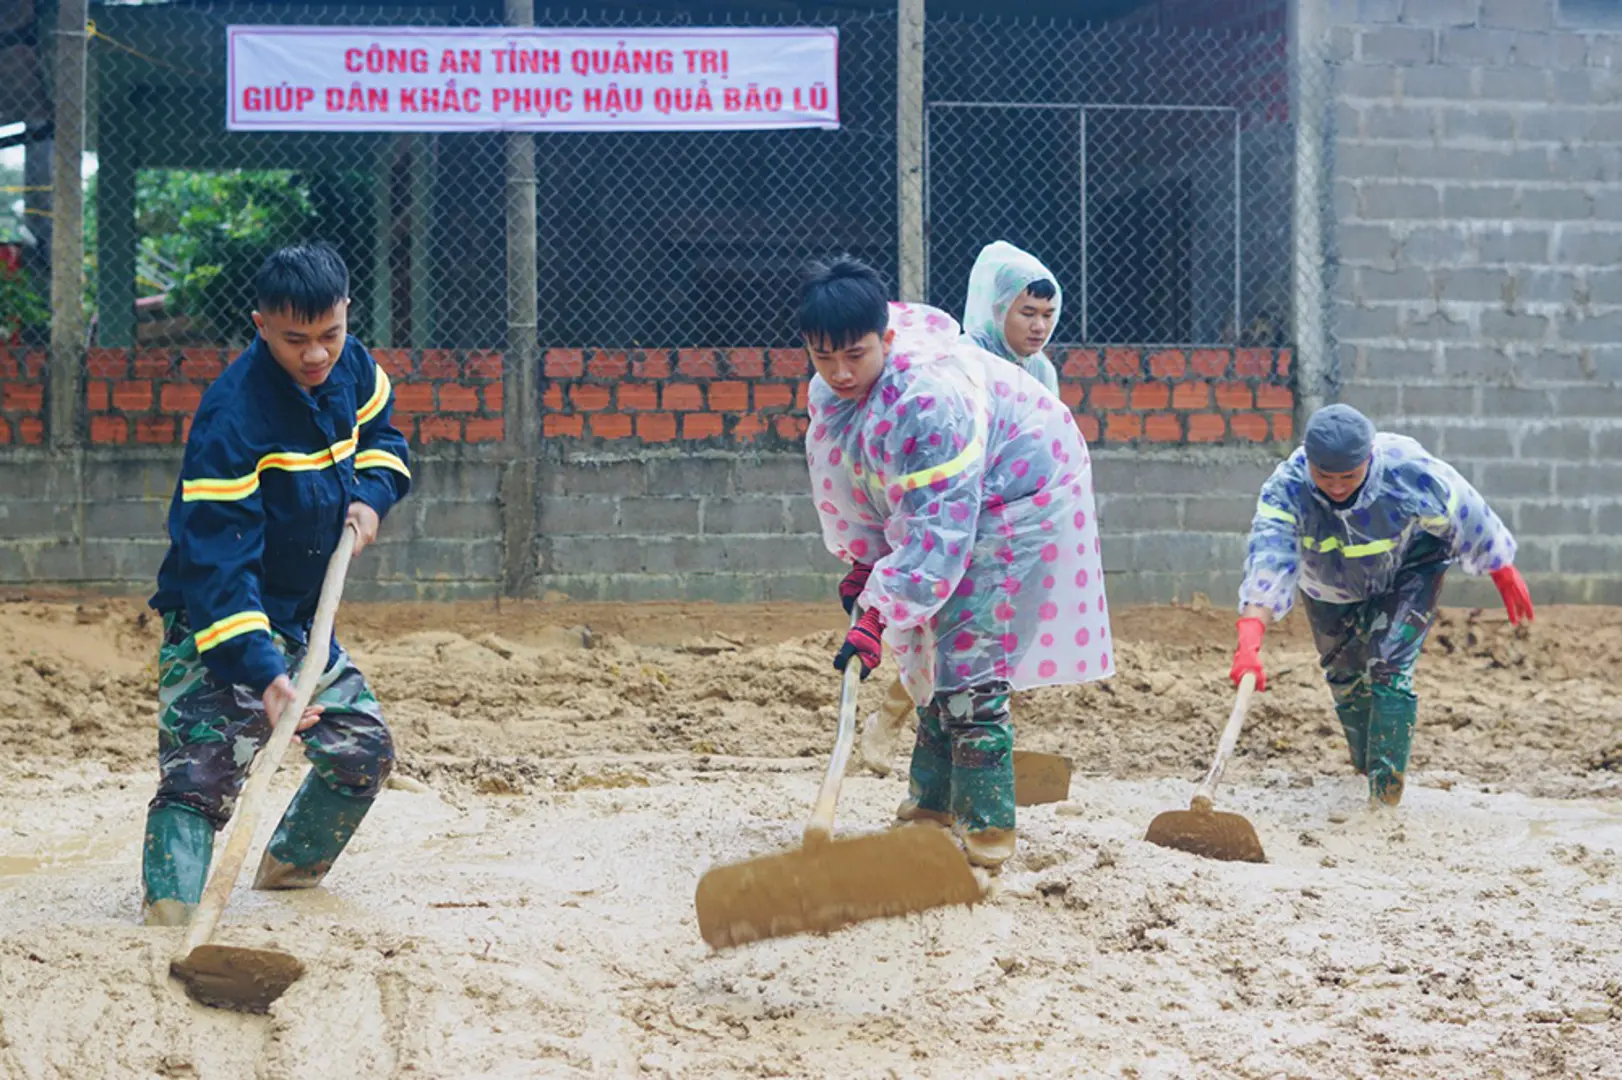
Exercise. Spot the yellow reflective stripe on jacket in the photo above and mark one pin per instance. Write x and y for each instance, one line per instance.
(969, 454)
(206, 490)
(1352, 551)
(234, 489)
(379, 398)
(1274, 513)
(381, 459)
(243, 622)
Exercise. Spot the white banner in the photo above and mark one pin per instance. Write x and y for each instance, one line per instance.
(345, 78)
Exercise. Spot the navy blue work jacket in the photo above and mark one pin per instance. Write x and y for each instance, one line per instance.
(269, 473)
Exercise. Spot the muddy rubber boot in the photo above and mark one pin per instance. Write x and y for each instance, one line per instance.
(929, 780)
(174, 864)
(1391, 734)
(989, 848)
(308, 839)
(881, 732)
(982, 773)
(1354, 721)
(910, 813)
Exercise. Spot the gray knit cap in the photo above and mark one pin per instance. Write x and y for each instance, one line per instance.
(1339, 438)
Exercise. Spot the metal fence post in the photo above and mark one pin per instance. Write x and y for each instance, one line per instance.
(67, 224)
(909, 159)
(521, 376)
(1309, 83)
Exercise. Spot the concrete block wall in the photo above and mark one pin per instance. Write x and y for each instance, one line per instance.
(1478, 304)
(636, 525)
(94, 517)
(665, 526)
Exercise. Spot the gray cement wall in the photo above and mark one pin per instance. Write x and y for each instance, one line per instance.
(1478, 304)
(651, 527)
(95, 518)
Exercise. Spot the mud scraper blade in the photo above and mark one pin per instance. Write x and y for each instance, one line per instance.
(830, 883)
(1040, 778)
(833, 883)
(1212, 834)
(1200, 830)
(230, 977)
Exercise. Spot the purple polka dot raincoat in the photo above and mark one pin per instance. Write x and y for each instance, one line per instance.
(967, 487)
(1350, 554)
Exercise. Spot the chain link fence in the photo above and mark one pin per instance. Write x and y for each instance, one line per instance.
(1154, 169)
(644, 239)
(24, 175)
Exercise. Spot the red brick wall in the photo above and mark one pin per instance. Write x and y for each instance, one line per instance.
(754, 397)
(22, 396)
(1158, 396)
(722, 397)
(148, 395)
(744, 398)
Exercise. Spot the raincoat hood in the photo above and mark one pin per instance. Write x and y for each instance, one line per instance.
(1000, 274)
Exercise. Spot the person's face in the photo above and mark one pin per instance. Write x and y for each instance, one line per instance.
(851, 370)
(305, 350)
(1338, 487)
(1029, 324)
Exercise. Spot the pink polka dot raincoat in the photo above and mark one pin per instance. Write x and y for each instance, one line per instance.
(968, 488)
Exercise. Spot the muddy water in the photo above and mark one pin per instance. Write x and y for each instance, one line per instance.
(529, 912)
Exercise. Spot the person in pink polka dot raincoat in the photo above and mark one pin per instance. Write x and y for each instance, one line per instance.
(960, 490)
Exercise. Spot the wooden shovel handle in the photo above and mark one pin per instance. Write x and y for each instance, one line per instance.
(1230, 738)
(246, 818)
(821, 826)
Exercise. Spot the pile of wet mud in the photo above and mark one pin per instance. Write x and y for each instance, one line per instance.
(494, 690)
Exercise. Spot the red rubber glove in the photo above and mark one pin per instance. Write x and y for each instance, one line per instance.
(865, 642)
(1517, 600)
(1247, 658)
(852, 586)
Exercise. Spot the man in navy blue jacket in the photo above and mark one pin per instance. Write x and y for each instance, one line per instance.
(292, 442)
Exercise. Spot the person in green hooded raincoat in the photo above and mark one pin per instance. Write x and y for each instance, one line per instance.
(1012, 308)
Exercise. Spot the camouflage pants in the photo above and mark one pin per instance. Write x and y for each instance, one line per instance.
(1368, 652)
(209, 732)
(963, 761)
(1377, 643)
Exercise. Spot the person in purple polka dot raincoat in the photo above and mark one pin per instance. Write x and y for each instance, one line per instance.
(1012, 306)
(1365, 524)
(960, 490)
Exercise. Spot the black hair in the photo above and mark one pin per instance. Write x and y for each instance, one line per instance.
(305, 281)
(1042, 290)
(842, 301)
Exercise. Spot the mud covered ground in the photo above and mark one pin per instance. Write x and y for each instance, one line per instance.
(521, 904)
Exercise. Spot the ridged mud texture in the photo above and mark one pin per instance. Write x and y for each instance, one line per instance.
(520, 900)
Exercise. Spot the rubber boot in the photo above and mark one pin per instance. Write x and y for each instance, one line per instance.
(929, 780)
(308, 839)
(174, 864)
(910, 813)
(989, 848)
(1391, 733)
(881, 733)
(982, 774)
(1354, 721)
